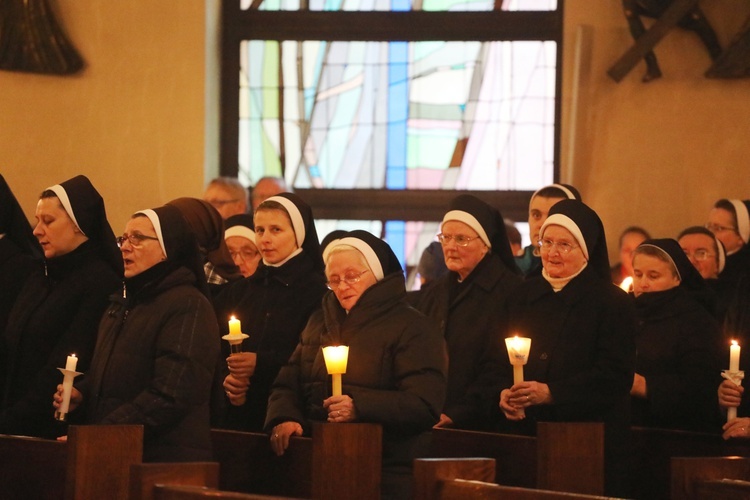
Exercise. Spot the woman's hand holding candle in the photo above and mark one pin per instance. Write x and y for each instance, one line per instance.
(340, 409)
(242, 364)
(76, 398)
(236, 389)
(730, 394)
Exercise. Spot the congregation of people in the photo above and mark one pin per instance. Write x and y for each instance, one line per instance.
(643, 342)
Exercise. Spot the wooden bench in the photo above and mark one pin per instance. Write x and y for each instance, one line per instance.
(654, 450)
(93, 463)
(563, 456)
(144, 478)
(692, 475)
(180, 492)
(460, 489)
(466, 478)
(340, 461)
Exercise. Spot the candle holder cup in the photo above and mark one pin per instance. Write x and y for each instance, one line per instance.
(68, 376)
(736, 377)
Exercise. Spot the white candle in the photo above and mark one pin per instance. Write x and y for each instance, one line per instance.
(235, 327)
(734, 357)
(71, 363)
(518, 353)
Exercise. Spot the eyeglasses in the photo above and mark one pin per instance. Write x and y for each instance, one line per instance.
(244, 255)
(220, 203)
(716, 228)
(562, 246)
(459, 239)
(136, 239)
(349, 279)
(700, 255)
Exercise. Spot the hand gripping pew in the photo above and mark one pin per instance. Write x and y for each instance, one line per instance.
(341, 461)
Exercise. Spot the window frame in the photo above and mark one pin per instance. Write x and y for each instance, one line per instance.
(412, 26)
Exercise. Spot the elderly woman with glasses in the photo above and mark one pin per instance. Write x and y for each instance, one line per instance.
(729, 220)
(273, 306)
(582, 327)
(58, 310)
(158, 343)
(396, 368)
(467, 303)
(239, 234)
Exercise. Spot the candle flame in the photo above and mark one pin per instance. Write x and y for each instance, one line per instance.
(73, 355)
(232, 317)
(734, 342)
(626, 284)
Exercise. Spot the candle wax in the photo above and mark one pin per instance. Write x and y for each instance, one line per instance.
(71, 363)
(235, 327)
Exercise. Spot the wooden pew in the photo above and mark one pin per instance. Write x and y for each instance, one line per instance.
(691, 475)
(430, 473)
(460, 489)
(181, 492)
(654, 449)
(564, 456)
(723, 489)
(93, 463)
(340, 461)
(145, 477)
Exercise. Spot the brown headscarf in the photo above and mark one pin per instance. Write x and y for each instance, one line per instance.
(208, 226)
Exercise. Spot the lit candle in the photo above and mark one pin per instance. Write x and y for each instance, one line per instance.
(235, 327)
(734, 357)
(627, 283)
(518, 353)
(71, 363)
(336, 358)
(69, 373)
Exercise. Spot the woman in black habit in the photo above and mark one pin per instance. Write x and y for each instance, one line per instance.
(582, 327)
(157, 345)
(59, 307)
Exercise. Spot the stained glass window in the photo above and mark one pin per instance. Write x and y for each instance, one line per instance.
(398, 115)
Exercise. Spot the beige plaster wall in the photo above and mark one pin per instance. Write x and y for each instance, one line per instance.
(133, 121)
(656, 154)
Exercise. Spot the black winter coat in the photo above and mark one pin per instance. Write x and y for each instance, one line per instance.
(273, 305)
(677, 352)
(395, 372)
(153, 366)
(583, 348)
(54, 316)
(471, 317)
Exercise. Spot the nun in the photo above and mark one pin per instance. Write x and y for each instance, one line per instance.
(158, 343)
(677, 366)
(19, 250)
(530, 262)
(729, 220)
(239, 235)
(206, 223)
(396, 367)
(273, 306)
(582, 328)
(57, 312)
(467, 303)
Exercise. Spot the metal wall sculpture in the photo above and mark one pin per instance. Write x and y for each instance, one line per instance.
(32, 41)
